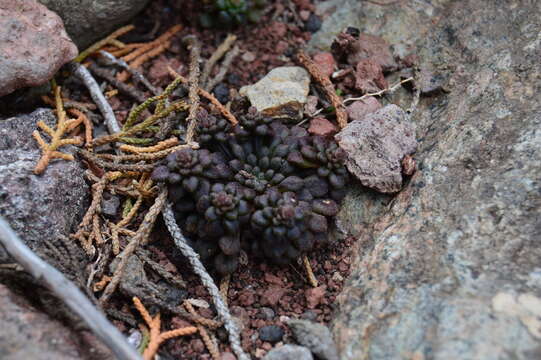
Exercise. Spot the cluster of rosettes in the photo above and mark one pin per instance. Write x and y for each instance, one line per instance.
(261, 186)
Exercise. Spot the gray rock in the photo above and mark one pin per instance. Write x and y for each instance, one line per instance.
(110, 205)
(315, 337)
(271, 333)
(33, 45)
(266, 313)
(375, 146)
(89, 20)
(281, 93)
(289, 352)
(40, 207)
(29, 334)
(449, 269)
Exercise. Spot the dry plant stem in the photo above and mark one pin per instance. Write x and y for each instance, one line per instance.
(115, 230)
(137, 76)
(199, 269)
(139, 238)
(223, 69)
(174, 107)
(108, 40)
(330, 92)
(49, 151)
(311, 277)
(193, 80)
(390, 89)
(162, 145)
(147, 157)
(154, 324)
(84, 75)
(67, 292)
(88, 125)
(225, 112)
(151, 45)
(122, 87)
(224, 287)
(149, 55)
(211, 346)
(214, 58)
(141, 168)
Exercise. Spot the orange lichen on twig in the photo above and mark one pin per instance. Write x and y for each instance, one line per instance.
(162, 145)
(50, 151)
(323, 80)
(157, 337)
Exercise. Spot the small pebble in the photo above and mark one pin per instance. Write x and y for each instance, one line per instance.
(109, 207)
(221, 91)
(266, 313)
(248, 56)
(271, 333)
(309, 315)
(313, 23)
(228, 356)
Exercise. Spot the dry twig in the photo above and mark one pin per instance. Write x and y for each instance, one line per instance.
(390, 89)
(214, 58)
(108, 40)
(193, 80)
(311, 277)
(211, 346)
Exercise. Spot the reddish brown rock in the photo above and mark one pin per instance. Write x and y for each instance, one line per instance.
(369, 76)
(354, 48)
(158, 73)
(33, 45)
(321, 126)
(228, 356)
(272, 295)
(247, 297)
(325, 62)
(314, 296)
(273, 279)
(360, 108)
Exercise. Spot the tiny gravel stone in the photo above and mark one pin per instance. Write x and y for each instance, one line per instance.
(321, 126)
(360, 108)
(109, 206)
(271, 333)
(266, 313)
(315, 337)
(221, 92)
(313, 24)
(289, 352)
(228, 356)
(309, 315)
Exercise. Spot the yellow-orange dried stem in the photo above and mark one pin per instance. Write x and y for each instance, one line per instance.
(107, 41)
(211, 346)
(162, 145)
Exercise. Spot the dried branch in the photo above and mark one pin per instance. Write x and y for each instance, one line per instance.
(108, 40)
(49, 151)
(390, 90)
(67, 292)
(193, 80)
(114, 166)
(122, 87)
(211, 346)
(162, 145)
(330, 92)
(214, 58)
(226, 113)
(311, 277)
(223, 69)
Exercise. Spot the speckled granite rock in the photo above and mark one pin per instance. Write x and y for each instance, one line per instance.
(33, 44)
(89, 20)
(37, 207)
(449, 268)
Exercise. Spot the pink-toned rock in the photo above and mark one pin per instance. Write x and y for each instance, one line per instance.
(314, 296)
(369, 76)
(354, 48)
(272, 295)
(273, 279)
(228, 356)
(247, 297)
(158, 73)
(326, 63)
(321, 126)
(360, 108)
(33, 44)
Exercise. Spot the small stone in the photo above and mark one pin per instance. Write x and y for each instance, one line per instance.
(369, 76)
(313, 23)
(355, 48)
(271, 333)
(314, 296)
(247, 297)
(311, 105)
(289, 352)
(408, 165)
(281, 93)
(325, 62)
(272, 295)
(259, 353)
(429, 81)
(273, 279)
(33, 44)
(304, 15)
(309, 315)
(221, 92)
(376, 145)
(321, 126)
(228, 356)
(198, 346)
(110, 205)
(248, 56)
(360, 108)
(337, 277)
(266, 313)
(315, 337)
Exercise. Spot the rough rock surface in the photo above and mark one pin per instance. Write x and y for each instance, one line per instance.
(29, 334)
(315, 337)
(33, 44)
(375, 146)
(281, 93)
(358, 109)
(289, 352)
(89, 20)
(37, 207)
(449, 268)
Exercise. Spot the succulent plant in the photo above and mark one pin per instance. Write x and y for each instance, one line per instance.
(230, 13)
(262, 186)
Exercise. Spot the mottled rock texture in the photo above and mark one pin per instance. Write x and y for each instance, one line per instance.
(33, 44)
(40, 207)
(289, 352)
(449, 268)
(90, 20)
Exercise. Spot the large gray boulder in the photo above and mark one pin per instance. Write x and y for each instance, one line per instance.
(449, 268)
(89, 20)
